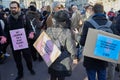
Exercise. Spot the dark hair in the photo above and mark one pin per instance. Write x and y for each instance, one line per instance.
(87, 6)
(45, 13)
(33, 3)
(118, 11)
(61, 16)
(98, 8)
(15, 3)
(32, 8)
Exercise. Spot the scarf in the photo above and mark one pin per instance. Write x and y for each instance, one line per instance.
(16, 15)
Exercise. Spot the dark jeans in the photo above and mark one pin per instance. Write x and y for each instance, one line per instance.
(4, 47)
(53, 77)
(18, 60)
(0, 76)
(101, 74)
(34, 52)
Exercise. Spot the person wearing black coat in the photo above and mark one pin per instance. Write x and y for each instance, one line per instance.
(1, 32)
(33, 16)
(17, 20)
(93, 65)
(3, 38)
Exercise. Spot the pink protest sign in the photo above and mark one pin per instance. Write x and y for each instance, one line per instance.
(47, 48)
(19, 40)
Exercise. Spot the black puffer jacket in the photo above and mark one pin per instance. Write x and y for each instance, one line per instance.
(91, 63)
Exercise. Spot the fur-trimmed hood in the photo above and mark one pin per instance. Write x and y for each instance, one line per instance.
(33, 14)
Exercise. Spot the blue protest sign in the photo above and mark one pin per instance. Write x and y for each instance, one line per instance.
(107, 47)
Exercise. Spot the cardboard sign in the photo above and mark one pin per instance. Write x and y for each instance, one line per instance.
(19, 40)
(102, 45)
(46, 48)
(107, 47)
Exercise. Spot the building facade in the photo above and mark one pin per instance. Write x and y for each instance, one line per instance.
(25, 3)
(108, 4)
(79, 3)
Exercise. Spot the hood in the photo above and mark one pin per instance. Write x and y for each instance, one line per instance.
(33, 14)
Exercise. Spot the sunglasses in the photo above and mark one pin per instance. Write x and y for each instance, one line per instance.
(59, 7)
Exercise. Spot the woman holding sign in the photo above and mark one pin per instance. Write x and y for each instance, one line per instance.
(62, 37)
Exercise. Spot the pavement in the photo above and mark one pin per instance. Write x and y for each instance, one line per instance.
(8, 71)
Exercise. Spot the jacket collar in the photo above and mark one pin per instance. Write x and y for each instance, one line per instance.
(99, 16)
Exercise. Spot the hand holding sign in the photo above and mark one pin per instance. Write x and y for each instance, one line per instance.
(19, 40)
(3, 39)
(31, 35)
(46, 48)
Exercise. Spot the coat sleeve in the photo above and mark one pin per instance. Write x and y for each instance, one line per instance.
(86, 26)
(70, 44)
(1, 33)
(117, 26)
(75, 19)
(28, 26)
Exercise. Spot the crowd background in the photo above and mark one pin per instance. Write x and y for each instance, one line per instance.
(67, 25)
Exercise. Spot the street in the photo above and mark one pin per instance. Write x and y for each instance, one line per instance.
(8, 71)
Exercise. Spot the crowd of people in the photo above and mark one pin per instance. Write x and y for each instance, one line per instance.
(67, 28)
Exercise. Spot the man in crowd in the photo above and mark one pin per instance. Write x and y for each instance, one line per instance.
(34, 17)
(3, 40)
(17, 20)
(92, 65)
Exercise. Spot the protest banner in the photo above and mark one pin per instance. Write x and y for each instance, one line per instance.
(19, 40)
(102, 45)
(46, 48)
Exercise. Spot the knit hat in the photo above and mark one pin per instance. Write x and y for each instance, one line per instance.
(32, 8)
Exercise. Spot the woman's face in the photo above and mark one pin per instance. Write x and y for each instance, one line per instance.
(58, 8)
(89, 11)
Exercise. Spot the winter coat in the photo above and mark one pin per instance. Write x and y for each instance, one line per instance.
(49, 21)
(91, 63)
(2, 28)
(63, 62)
(21, 22)
(76, 21)
(117, 25)
(1, 31)
(33, 17)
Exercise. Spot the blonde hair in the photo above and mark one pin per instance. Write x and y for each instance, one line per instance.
(48, 8)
